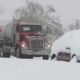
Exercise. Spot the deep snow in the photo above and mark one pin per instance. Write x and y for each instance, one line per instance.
(70, 39)
(34, 69)
(38, 69)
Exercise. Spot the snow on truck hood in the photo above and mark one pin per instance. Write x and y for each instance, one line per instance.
(70, 39)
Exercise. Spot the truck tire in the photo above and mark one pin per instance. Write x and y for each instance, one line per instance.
(73, 55)
(29, 56)
(5, 53)
(18, 53)
(77, 59)
(1, 53)
(45, 57)
(53, 56)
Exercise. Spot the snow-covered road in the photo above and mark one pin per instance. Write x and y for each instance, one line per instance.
(37, 69)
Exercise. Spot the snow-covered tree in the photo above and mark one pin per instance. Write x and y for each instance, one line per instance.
(34, 12)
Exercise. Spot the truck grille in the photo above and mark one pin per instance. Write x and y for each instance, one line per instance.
(37, 44)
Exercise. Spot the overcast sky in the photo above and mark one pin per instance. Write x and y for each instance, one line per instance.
(68, 10)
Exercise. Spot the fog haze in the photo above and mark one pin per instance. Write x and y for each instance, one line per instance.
(68, 10)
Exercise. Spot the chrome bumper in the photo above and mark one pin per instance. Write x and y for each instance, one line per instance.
(32, 52)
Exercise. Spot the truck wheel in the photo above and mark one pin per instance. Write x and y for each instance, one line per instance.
(29, 56)
(18, 53)
(77, 59)
(1, 54)
(73, 55)
(53, 56)
(5, 53)
(45, 57)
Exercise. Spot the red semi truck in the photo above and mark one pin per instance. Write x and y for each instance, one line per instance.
(27, 39)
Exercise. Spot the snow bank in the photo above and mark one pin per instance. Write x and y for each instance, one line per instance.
(70, 39)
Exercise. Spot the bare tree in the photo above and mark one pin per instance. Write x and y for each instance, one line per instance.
(75, 25)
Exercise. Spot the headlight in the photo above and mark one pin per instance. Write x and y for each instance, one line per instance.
(23, 44)
(48, 46)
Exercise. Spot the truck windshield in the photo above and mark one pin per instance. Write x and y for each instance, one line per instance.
(30, 28)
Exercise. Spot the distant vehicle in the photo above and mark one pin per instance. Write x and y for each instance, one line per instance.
(70, 40)
(27, 39)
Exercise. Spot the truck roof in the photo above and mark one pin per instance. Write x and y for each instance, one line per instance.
(21, 22)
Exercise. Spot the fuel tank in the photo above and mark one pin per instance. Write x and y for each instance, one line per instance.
(7, 33)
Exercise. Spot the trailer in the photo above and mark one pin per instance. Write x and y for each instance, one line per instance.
(4, 46)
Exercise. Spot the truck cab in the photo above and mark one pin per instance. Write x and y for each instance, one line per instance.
(30, 41)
